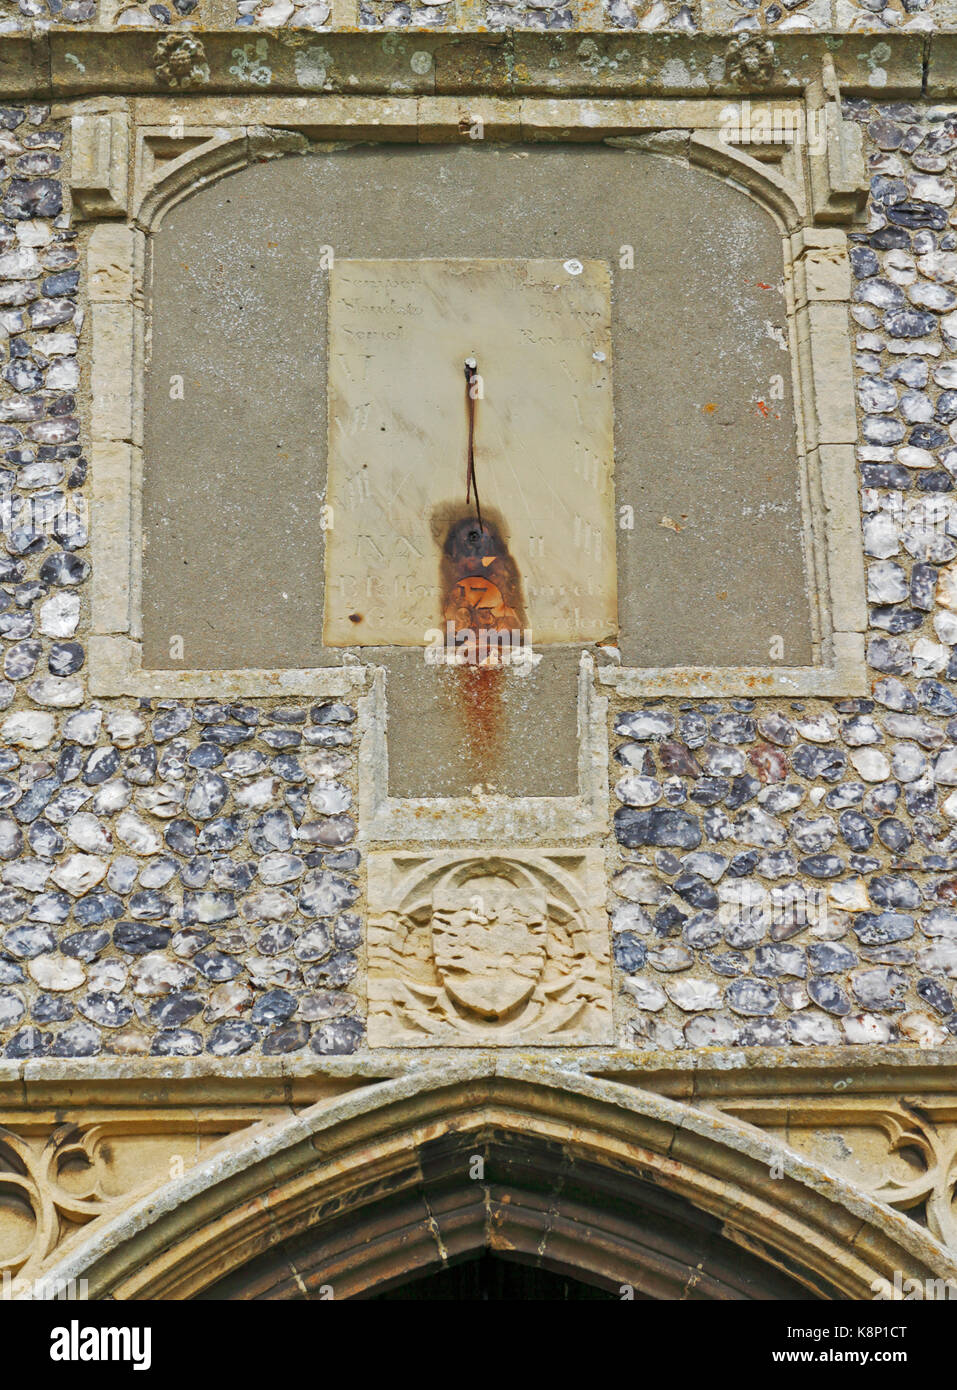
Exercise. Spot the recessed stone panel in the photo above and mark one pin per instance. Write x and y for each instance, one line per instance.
(710, 562)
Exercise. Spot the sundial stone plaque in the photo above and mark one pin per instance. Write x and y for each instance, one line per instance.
(540, 333)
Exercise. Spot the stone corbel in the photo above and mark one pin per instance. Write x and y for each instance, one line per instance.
(835, 157)
(99, 163)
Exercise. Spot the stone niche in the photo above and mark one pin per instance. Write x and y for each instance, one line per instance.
(644, 473)
(235, 472)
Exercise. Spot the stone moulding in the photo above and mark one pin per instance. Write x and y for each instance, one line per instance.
(203, 138)
(292, 1174)
(83, 62)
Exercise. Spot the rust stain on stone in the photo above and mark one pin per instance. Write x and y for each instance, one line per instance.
(483, 616)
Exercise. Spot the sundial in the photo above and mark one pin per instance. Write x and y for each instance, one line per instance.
(412, 547)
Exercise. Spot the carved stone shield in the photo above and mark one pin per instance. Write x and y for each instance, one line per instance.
(488, 942)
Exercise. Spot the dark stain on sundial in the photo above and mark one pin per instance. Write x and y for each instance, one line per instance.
(483, 617)
(480, 584)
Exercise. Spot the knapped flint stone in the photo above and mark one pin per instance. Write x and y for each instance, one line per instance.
(822, 866)
(51, 908)
(101, 764)
(656, 827)
(774, 961)
(693, 728)
(880, 929)
(856, 830)
(273, 830)
(28, 198)
(276, 938)
(751, 997)
(703, 931)
(339, 969)
(732, 728)
(338, 1037)
(332, 713)
(706, 862)
(29, 942)
(328, 737)
(314, 944)
(287, 714)
(139, 938)
(645, 725)
(728, 963)
(51, 1008)
(70, 763)
(141, 766)
(11, 839)
(915, 214)
(85, 945)
(176, 1042)
(333, 831)
(630, 952)
(210, 712)
(12, 1008)
(207, 796)
(668, 920)
(828, 995)
(676, 757)
(77, 1040)
(936, 996)
(232, 1037)
(896, 620)
(221, 834)
(29, 807)
(743, 789)
(236, 878)
(879, 988)
(289, 1037)
(275, 1006)
(348, 930)
(829, 958)
(29, 1042)
(323, 894)
(288, 767)
(175, 1009)
(10, 972)
(281, 738)
(767, 1032)
(106, 1010)
(188, 942)
(815, 760)
(149, 906)
(696, 890)
(170, 722)
(934, 696)
(863, 262)
(228, 735)
(217, 966)
(894, 834)
(893, 891)
(813, 1030)
(63, 569)
(208, 907)
(708, 791)
(95, 908)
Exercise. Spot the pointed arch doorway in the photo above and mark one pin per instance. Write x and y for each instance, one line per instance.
(576, 1178)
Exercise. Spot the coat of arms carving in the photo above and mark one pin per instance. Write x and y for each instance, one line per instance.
(468, 949)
